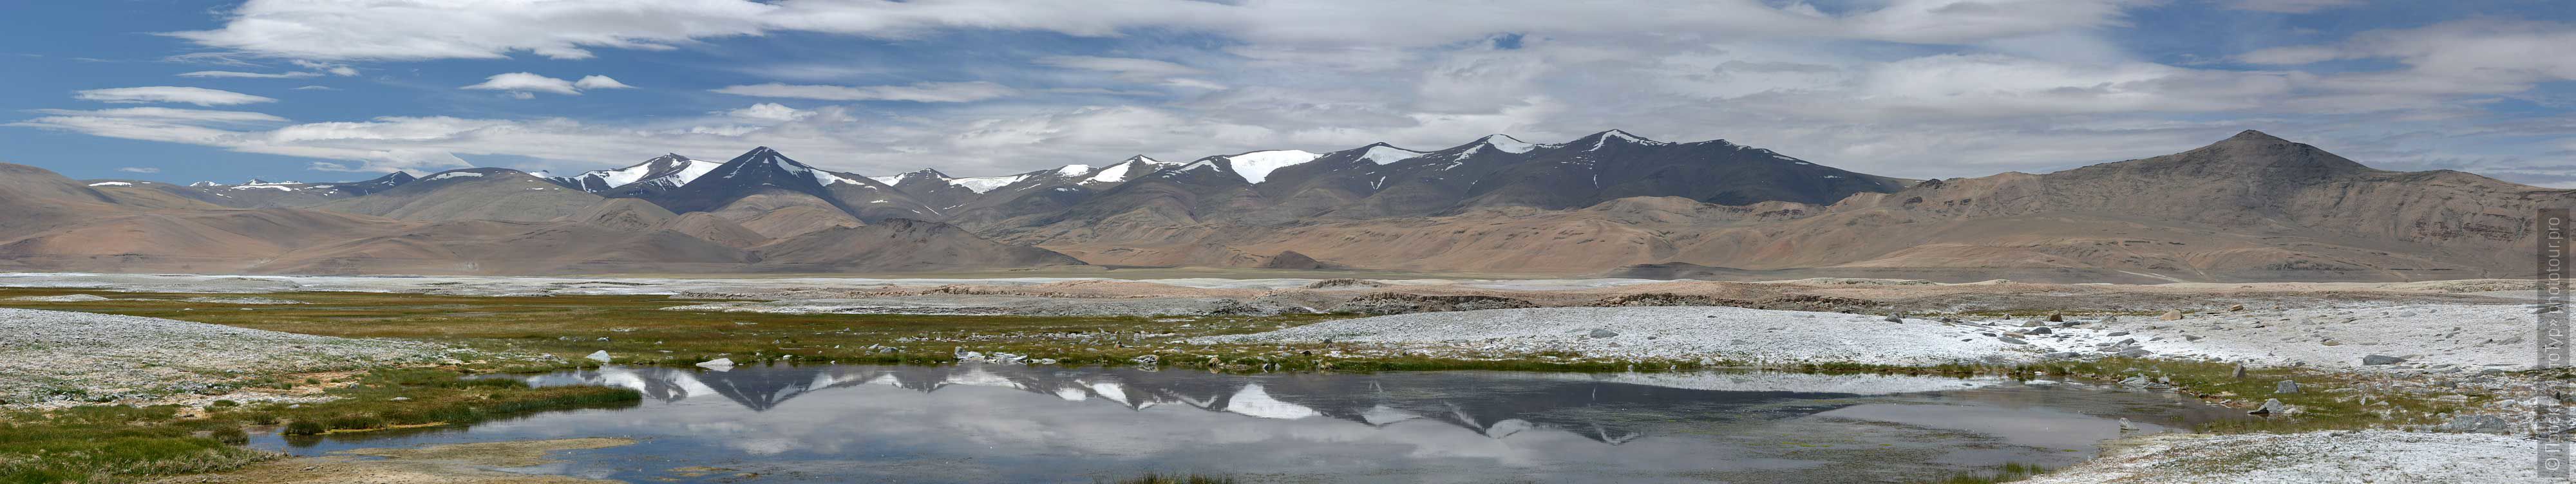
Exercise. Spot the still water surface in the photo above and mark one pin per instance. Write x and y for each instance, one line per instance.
(1008, 423)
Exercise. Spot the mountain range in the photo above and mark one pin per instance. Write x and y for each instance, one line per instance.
(2250, 207)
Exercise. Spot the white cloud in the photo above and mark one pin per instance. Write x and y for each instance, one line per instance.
(334, 69)
(193, 115)
(523, 85)
(599, 82)
(171, 94)
(928, 92)
(568, 29)
(316, 88)
(251, 75)
(139, 169)
(2458, 57)
(768, 112)
(522, 82)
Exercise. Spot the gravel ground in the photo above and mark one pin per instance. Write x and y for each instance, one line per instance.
(1680, 333)
(59, 358)
(2384, 457)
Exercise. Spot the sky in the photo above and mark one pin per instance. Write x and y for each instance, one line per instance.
(333, 90)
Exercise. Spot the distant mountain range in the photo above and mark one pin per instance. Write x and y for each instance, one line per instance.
(2252, 207)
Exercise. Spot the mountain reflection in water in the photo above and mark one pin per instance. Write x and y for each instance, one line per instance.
(1012, 423)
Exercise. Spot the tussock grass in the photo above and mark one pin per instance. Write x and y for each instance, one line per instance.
(101, 444)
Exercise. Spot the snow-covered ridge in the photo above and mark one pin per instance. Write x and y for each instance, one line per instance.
(1256, 166)
(453, 174)
(1383, 154)
(983, 184)
(111, 184)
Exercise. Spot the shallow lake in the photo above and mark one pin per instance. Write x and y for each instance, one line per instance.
(1009, 423)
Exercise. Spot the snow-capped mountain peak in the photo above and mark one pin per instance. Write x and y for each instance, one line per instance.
(1382, 153)
(1256, 166)
(1603, 139)
(667, 171)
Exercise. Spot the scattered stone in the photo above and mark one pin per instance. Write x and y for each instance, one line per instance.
(717, 364)
(2240, 372)
(2125, 425)
(2239, 307)
(1146, 360)
(598, 356)
(2013, 340)
(2285, 386)
(2056, 318)
(2271, 406)
(2134, 380)
(1604, 333)
(2134, 353)
(2171, 316)
(2040, 330)
(2375, 360)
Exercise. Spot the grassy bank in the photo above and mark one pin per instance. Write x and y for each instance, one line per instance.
(102, 444)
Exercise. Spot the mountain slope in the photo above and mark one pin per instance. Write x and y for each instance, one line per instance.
(472, 194)
(763, 171)
(900, 245)
(2252, 207)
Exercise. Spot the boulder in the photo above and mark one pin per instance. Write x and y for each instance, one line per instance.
(2375, 360)
(2271, 406)
(2285, 386)
(598, 356)
(2012, 340)
(1604, 333)
(717, 364)
(2171, 316)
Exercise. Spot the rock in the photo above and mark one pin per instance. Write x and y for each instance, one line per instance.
(2375, 360)
(2033, 323)
(598, 356)
(1894, 318)
(2330, 342)
(2062, 355)
(2134, 353)
(2271, 406)
(2483, 424)
(2118, 333)
(2041, 330)
(2239, 307)
(2135, 381)
(1146, 360)
(2056, 318)
(2012, 340)
(2171, 316)
(2125, 425)
(1604, 333)
(2240, 372)
(717, 364)
(2285, 386)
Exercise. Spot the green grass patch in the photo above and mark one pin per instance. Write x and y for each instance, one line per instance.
(102, 444)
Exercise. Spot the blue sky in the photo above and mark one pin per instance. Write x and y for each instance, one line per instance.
(186, 90)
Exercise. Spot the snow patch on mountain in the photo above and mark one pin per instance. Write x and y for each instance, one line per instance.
(983, 184)
(1383, 154)
(451, 175)
(1256, 166)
